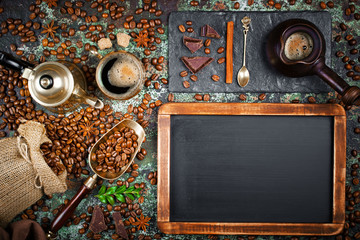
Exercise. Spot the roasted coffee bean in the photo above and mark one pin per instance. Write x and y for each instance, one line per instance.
(194, 3)
(242, 97)
(190, 30)
(322, 5)
(311, 99)
(198, 97)
(221, 60)
(343, 27)
(193, 78)
(170, 98)
(262, 96)
(237, 5)
(207, 42)
(182, 28)
(183, 73)
(186, 84)
(207, 50)
(221, 50)
(215, 78)
(189, 23)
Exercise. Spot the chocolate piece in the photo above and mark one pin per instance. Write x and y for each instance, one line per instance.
(195, 64)
(207, 31)
(119, 225)
(192, 44)
(97, 223)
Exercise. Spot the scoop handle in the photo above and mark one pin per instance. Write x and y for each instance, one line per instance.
(350, 94)
(69, 209)
(14, 63)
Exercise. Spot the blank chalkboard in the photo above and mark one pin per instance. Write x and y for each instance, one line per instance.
(251, 168)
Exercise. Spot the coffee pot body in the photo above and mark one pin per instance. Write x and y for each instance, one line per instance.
(58, 86)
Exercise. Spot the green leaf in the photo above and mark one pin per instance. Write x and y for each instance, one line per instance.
(102, 199)
(130, 196)
(138, 190)
(137, 195)
(111, 190)
(130, 189)
(121, 189)
(102, 190)
(110, 199)
(120, 197)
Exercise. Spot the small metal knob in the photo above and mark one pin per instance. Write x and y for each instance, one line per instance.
(46, 82)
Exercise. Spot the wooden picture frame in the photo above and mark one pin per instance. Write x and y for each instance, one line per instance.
(226, 228)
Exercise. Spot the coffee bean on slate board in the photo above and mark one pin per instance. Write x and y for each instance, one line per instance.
(193, 78)
(183, 73)
(357, 130)
(215, 78)
(207, 42)
(221, 60)
(221, 50)
(182, 28)
(186, 84)
(207, 50)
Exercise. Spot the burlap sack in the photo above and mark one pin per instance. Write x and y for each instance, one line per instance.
(24, 174)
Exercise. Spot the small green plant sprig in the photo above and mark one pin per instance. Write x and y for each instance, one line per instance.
(108, 195)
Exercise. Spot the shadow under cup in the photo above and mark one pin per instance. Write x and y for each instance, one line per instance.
(129, 66)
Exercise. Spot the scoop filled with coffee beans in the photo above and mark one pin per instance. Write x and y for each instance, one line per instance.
(109, 158)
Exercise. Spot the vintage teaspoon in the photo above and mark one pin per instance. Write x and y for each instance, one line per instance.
(243, 74)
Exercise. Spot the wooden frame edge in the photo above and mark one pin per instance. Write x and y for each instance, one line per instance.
(339, 172)
(280, 229)
(251, 109)
(163, 188)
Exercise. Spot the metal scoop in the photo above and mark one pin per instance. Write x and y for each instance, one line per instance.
(89, 183)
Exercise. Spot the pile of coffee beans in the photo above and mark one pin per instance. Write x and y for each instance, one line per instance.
(116, 151)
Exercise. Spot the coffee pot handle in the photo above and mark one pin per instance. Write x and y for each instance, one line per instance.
(350, 94)
(14, 63)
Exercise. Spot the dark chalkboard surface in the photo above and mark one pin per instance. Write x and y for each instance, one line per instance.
(263, 78)
(251, 169)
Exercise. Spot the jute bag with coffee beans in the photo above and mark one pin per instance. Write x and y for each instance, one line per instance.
(24, 174)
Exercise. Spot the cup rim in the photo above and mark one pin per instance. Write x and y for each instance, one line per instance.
(137, 88)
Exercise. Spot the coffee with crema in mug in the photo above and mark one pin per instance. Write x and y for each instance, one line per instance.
(298, 46)
(120, 75)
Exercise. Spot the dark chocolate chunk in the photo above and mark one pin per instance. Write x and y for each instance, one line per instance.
(119, 225)
(195, 64)
(207, 31)
(193, 44)
(97, 223)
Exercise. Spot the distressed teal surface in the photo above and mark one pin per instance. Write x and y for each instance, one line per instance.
(150, 162)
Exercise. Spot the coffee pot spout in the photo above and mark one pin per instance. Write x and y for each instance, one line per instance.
(92, 101)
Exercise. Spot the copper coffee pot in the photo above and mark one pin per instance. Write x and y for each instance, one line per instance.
(313, 64)
(58, 86)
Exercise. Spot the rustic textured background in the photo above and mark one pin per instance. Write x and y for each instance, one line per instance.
(19, 9)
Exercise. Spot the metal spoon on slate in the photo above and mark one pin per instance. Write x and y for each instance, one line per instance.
(243, 74)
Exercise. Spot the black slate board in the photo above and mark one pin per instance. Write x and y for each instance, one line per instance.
(251, 169)
(263, 77)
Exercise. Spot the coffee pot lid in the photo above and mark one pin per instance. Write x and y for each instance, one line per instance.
(50, 84)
